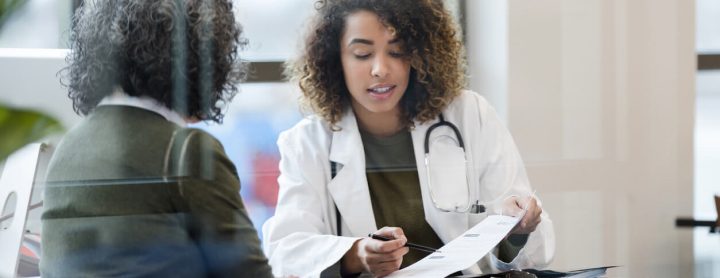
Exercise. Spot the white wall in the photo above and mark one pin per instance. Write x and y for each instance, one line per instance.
(599, 95)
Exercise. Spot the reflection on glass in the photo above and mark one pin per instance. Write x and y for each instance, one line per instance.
(272, 44)
(8, 208)
(249, 131)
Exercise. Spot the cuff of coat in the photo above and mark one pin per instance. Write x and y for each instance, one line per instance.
(510, 247)
(335, 269)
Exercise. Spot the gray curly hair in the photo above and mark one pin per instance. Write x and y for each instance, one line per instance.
(182, 53)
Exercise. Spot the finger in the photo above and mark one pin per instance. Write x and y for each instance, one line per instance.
(373, 246)
(398, 254)
(398, 233)
(392, 232)
(539, 211)
(382, 247)
(529, 215)
(532, 215)
(520, 202)
(529, 203)
(377, 258)
(537, 221)
(385, 268)
(530, 225)
(373, 262)
(512, 207)
(379, 246)
(531, 209)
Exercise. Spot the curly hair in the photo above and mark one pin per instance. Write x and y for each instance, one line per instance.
(182, 53)
(431, 41)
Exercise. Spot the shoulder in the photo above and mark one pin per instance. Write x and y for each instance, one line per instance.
(469, 102)
(195, 152)
(194, 136)
(195, 143)
(311, 131)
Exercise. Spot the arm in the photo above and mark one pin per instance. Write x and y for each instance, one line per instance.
(303, 225)
(217, 219)
(503, 175)
(299, 238)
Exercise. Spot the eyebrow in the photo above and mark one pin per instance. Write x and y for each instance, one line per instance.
(369, 42)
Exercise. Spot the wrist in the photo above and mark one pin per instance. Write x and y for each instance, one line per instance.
(350, 263)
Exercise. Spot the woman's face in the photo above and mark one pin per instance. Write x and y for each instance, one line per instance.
(375, 68)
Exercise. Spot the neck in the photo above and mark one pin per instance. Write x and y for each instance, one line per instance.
(379, 124)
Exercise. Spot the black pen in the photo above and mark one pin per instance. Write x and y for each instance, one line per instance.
(408, 244)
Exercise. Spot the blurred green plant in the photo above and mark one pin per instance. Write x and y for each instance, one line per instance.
(19, 127)
(7, 7)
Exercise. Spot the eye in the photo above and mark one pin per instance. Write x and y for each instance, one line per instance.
(362, 56)
(397, 54)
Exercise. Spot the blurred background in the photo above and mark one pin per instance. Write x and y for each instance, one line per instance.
(614, 104)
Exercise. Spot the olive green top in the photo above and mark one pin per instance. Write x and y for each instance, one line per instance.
(395, 190)
(113, 207)
(396, 198)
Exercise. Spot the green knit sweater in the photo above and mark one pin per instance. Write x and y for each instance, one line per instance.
(114, 207)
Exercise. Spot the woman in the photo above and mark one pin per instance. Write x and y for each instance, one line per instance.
(378, 74)
(133, 192)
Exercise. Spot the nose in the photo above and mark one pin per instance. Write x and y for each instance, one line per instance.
(380, 66)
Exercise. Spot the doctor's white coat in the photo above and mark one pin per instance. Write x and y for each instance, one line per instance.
(300, 239)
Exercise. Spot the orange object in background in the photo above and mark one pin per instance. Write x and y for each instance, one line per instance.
(265, 174)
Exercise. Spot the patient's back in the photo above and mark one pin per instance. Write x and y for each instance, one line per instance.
(118, 203)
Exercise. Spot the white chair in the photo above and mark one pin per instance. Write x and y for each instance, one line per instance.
(22, 169)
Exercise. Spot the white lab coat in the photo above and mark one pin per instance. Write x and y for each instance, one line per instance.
(300, 239)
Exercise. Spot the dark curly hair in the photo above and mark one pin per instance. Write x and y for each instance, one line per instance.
(431, 41)
(182, 53)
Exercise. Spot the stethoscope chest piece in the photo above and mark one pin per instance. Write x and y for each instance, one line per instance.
(446, 166)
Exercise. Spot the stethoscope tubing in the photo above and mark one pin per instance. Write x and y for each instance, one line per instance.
(443, 122)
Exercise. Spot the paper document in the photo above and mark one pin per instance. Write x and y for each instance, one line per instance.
(464, 251)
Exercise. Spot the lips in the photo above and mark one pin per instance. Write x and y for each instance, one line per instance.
(381, 89)
(381, 92)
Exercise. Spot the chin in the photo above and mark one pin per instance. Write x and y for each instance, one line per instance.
(381, 109)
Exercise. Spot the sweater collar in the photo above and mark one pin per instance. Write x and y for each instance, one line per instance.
(118, 97)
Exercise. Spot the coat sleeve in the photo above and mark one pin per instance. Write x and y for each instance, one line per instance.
(502, 174)
(299, 239)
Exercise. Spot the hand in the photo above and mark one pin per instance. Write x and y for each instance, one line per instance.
(379, 258)
(513, 206)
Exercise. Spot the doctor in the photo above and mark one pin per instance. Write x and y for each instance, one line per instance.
(384, 77)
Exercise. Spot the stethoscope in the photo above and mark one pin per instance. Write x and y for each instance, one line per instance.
(469, 207)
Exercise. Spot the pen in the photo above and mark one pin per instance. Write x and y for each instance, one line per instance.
(408, 244)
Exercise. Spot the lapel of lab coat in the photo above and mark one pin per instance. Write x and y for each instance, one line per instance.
(349, 188)
(447, 225)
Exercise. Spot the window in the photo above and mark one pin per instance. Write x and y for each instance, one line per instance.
(707, 134)
(38, 24)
